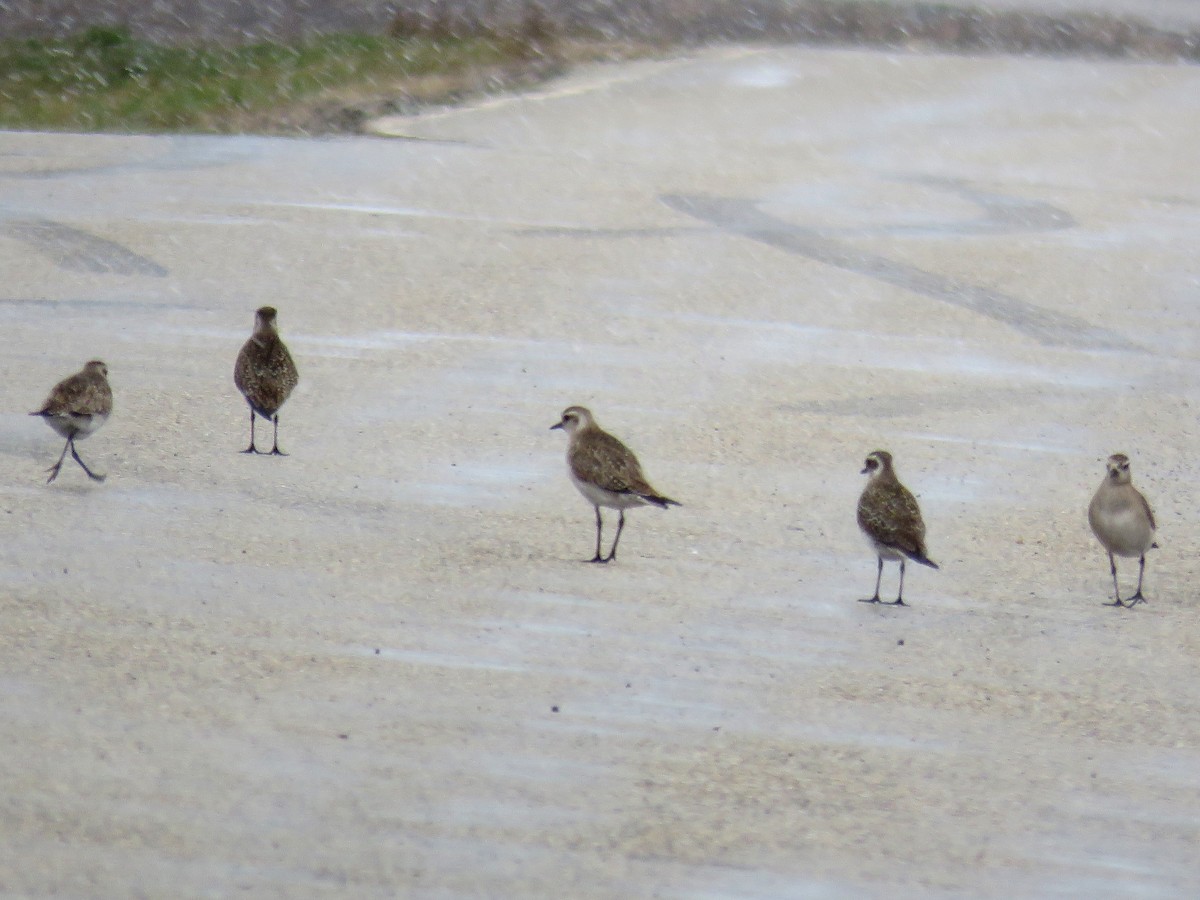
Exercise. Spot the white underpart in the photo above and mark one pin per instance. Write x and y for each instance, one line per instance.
(68, 424)
(598, 496)
(885, 552)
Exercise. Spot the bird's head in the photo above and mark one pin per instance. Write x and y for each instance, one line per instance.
(877, 462)
(573, 419)
(1118, 469)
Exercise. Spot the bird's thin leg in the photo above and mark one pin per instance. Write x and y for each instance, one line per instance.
(878, 579)
(599, 527)
(899, 601)
(1116, 588)
(612, 554)
(92, 475)
(1138, 598)
(251, 449)
(275, 451)
(53, 470)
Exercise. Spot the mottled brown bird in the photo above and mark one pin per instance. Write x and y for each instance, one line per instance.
(890, 518)
(606, 472)
(265, 374)
(76, 408)
(1123, 521)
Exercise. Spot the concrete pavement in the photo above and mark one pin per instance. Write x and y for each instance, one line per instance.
(378, 668)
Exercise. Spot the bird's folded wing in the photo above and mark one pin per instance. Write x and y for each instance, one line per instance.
(76, 394)
(604, 461)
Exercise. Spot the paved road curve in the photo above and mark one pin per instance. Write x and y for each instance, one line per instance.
(377, 667)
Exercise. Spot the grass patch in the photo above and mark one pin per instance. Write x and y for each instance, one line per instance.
(106, 80)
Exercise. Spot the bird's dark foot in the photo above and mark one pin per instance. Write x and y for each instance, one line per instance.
(899, 601)
(1118, 602)
(597, 559)
(250, 449)
(53, 470)
(874, 599)
(95, 477)
(1135, 599)
(275, 451)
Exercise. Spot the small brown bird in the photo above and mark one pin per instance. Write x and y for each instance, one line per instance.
(265, 374)
(76, 408)
(890, 518)
(606, 472)
(1123, 521)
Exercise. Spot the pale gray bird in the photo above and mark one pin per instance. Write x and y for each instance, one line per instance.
(1123, 521)
(76, 408)
(890, 518)
(606, 472)
(265, 374)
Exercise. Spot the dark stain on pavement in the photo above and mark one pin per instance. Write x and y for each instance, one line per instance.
(78, 251)
(742, 217)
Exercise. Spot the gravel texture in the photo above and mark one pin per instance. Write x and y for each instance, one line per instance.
(378, 668)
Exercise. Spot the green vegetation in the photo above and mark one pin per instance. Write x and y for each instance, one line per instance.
(105, 80)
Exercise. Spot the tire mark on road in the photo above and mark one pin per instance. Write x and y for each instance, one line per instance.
(1002, 214)
(78, 251)
(743, 217)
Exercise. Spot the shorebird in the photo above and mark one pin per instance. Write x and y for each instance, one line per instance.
(890, 518)
(265, 374)
(1123, 521)
(76, 408)
(606, 472)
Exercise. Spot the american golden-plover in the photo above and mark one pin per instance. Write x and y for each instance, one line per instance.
(890, 518)
(606, 472)
(76, 408)
(265, 374)
(1123, 521)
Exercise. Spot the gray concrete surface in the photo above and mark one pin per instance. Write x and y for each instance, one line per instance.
(378, 668)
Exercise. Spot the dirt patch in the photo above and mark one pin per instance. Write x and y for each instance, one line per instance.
(872, 22)
(346, 110)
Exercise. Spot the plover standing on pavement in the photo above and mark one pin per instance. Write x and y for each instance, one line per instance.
(76, 408)
(1123, 521)
(265, 374)
(606, 472)
(890, 518)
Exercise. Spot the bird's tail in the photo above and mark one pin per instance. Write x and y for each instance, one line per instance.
(923, 560)
(659, 500)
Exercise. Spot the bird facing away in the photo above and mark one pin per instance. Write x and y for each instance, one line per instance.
(1121, 518)
(606, 472)
(265, 374)
(76, 408)
(890, 518)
